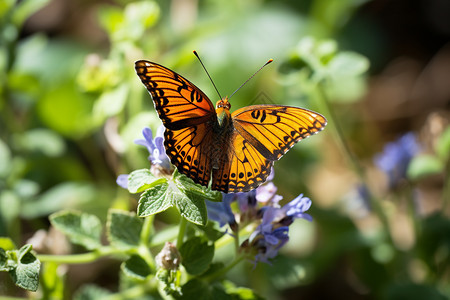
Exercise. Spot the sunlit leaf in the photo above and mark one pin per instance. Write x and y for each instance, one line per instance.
(81, 228)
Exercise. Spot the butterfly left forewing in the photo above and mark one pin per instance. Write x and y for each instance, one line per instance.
(179, 102)
(274, 129)
(242, 168)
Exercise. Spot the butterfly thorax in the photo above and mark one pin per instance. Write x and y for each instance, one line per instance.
(223, 130)
(223, 112)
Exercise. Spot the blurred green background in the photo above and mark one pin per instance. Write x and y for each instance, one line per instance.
(71, 106)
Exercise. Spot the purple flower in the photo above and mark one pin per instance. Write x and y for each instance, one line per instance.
(122, 181)
(396, 157)
(273, 232)
(296, 208)
(266, 193)
(246, 201)
(155, 147)
(160, 161)
(221, 211)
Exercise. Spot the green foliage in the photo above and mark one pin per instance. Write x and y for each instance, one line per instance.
(431, 164)
(22, 265)
(136, 267)
(424, 165)
(141, 180)
(197, 255)
(123, 229)
(180, 192)
(81, 228)
(341, 71)
(91, 292)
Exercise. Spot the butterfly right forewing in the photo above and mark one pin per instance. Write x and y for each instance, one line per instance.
(274, 129)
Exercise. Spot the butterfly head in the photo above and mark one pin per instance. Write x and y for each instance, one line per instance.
(223, 111)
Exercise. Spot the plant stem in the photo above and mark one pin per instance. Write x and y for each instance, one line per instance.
(345, 149)
(446, 189)
(236, 242)
(144, 247)
(182, 230)
(147, 230)
(78, 258)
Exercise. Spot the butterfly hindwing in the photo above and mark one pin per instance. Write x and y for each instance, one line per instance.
(189, 150)
(274, 129)
(179, 102)
(242, 167)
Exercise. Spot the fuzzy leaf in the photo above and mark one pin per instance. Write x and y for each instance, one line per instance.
(191, 189)
(26, 274)
(196, 255)
(154, 200)
(91, 292)
(136, 267)
(81, 228)
(7, 244)
(123, 229)
(142, 179)
(196, 289)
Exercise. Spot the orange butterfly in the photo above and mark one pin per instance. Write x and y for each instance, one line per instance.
(239, 148)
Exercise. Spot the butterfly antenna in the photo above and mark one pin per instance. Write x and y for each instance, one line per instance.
(268, 62)
(195, 53)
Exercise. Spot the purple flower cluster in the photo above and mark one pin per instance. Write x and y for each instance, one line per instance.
(396, 157)
(155, 147)
(261, 205)
(158, 158)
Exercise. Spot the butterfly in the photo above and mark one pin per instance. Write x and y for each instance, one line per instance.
(237, 150)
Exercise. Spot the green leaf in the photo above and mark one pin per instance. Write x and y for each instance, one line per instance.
(59, 115)
(52, 281)
(189, 198)
(26, 8)
(91, 292)
(186, 196)
(136, 267)
(40, 140)
(443, 145)
(192, 189)
(110, 103)
(154, 200)
(424, 165)
(142, 179)
(5, 159)
(196, 289)
(5, 7)
(7, 244)
(240, 293)
(26, 274)
(211, 230)
(3, 260)
(196, 255)
(190, 206)
(123, 229)
(62, 196)
(348, 64)
(81, 228)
